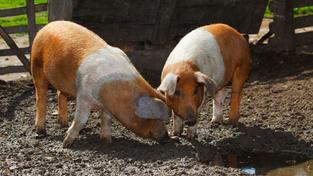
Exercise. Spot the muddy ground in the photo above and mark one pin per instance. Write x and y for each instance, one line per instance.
(276, 116)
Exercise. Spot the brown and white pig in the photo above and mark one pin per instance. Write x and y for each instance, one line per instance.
(79, 63)
(205, 60)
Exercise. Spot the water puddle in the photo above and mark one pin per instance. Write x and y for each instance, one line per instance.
(269, 164)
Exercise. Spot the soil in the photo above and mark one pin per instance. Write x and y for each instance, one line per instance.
(276, 116)
(276, 113)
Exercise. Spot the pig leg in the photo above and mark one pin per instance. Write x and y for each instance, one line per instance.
(177, 126)
(105, 132)
(41, 86)
(192, 132)
(218, 100)
(238, 80)
(81, 116)
(62, 109)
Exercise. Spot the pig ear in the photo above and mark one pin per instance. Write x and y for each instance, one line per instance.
(208, 82)
(168, 85)
(151, 108)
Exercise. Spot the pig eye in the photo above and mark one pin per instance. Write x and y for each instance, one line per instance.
(177, 93)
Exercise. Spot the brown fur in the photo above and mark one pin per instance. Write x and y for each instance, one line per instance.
(128, 92)
(186, 85)
(236, 55)
(57, 52)
(234, 48)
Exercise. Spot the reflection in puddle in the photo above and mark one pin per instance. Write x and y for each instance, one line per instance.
(270, 164)
(302, 169)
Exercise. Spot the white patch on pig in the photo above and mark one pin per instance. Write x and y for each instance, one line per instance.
(102, 67)
(201, 48)
(218, 101)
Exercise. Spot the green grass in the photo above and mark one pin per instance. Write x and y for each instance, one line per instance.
(41, 17)
(303, 11)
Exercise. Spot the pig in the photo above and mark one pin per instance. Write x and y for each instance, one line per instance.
(77, 62)
(204, 62)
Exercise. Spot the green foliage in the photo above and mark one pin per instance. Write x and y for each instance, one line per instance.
(7, 4)
(41, 17)
(303, 11)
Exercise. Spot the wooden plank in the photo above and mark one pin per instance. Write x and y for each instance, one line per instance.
(302, 3)
(282, 26)
(10, 52)
(22, 10)
(162, 25)
(12, 69)
(16, 29)
(114, 16)
(231, 14)
(19, 29)
(303, 21)
(60, 10)
(304, 38)
(14, 47)
(126, 32)
(31, 18)
(194, 3)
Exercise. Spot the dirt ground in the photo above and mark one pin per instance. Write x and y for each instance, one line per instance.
(276, 116)
(276, 113)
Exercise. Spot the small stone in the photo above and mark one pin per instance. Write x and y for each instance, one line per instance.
(55, 113)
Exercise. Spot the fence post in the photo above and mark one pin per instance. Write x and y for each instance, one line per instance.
(60, 10)
(282, 26)
(31, 18)
(162, 26)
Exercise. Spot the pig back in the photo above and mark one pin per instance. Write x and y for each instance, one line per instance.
(59, 48)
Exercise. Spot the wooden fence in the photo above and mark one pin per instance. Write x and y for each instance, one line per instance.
(285, 24)
(58, 10)
(31, 28)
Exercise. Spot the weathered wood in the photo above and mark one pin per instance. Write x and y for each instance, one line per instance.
(121, 32)
(264, 37)
(199, 3)
(31, 18)
(304, 38)
(10, 52)
(303, 21)
(60, 10)
(302, 3)
(197, 13)
(282, 26)
(14, 47)
(21, 10)
(18, 29)
(112, 11)
(12, 69)
(162, 25)
(170, 19)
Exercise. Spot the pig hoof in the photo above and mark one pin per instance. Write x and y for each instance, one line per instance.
(63, 124)
(106, 139)
(41, 131)
(177, 133)
(191, 135)
(232, 122)
(216, 120)
(68, 141)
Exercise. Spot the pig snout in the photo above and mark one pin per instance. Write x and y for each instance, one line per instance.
(160, 133)
(191, 117)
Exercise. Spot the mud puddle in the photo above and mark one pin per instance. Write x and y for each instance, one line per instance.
(269, 164)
